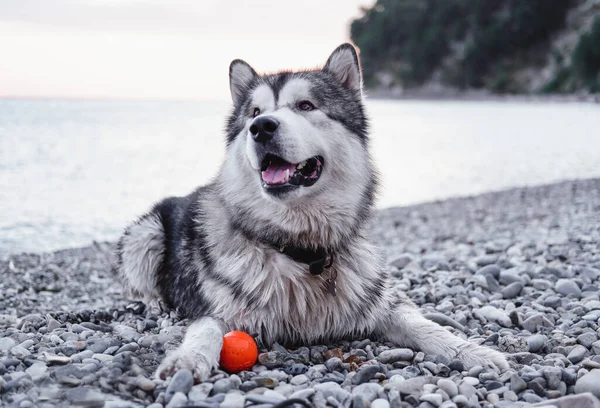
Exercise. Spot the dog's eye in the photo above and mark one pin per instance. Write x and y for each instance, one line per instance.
(256, 112)
(305, 106)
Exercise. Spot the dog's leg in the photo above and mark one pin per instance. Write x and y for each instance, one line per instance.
(199, 352)
(407, 327)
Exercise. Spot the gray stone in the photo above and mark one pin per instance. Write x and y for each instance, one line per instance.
(335, 364)
(84, 396)
(532, 323)
(585, 400)
(577, 354)
(223, 386)
(37, 371)
(448, 386)
(517, 384)
(567, 287)
(299, 380)
(358, 402)
(434, 399)
(401, 261)
(20, 352)
(552, 301)
(512, 290)
(513, 344)
(369, 391)
(365, 373)
(200, 391)
(52, 323)
(412, 385)
(98, 345)
(536, 342)
(596, 347)
(264, 399)
(182, 382)
(303, 394)
(495, 315)
(553, 375)
(587, 339)
(492, 270)
(178, 399)
(589, 383)
(233, 400)
(391, 356)
(272, 359)
(6, 343)
(380, 403)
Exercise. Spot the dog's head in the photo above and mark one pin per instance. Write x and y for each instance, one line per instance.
(297, 141)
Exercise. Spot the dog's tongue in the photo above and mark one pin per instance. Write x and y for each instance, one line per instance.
(278, 173)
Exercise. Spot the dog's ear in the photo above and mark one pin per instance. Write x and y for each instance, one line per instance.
(344, 64)
(240, 76)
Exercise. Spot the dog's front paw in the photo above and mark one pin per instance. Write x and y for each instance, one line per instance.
(473, 355)
(179, 359)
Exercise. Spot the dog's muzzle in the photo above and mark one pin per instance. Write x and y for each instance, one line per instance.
(279, 173)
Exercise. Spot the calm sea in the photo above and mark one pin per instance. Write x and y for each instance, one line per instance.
(76, 171)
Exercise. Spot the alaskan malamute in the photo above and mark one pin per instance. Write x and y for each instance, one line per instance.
(277, 243)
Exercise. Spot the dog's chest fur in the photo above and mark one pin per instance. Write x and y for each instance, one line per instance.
(289, 305)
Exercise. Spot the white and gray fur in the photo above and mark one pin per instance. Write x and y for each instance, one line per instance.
(212, 254)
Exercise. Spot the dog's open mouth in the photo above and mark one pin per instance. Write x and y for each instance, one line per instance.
(276, 172)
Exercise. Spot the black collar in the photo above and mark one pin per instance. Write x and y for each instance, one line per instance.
(316, 259)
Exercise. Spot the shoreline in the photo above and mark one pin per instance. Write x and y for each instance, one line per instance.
(378, 212)
(517, 270)
(477, 96)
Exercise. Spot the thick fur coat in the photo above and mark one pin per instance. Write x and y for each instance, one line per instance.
(217, 255)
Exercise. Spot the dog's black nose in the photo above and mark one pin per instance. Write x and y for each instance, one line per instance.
(263, 128)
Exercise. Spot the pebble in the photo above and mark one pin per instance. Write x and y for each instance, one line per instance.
(365, 373)
(392, 356)
(553, 376)
(380, 403)
(448, 386)
(233, 400)
(182, 382)
(85, 396)
(536, 321)
(587, 339)
(6, 343)
(434, 399)
(536, 342)
(577, 354)
(512, 290)
(590, 382)
(495, 315)
(299, 380)
(517, 384)
(368, 391)
(567, 287)
(178, 399)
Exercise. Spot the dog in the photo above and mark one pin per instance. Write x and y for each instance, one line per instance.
(277, 243)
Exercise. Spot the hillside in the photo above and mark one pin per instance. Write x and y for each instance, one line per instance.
(495, 46)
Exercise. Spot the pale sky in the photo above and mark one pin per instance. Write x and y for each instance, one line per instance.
(175, 49)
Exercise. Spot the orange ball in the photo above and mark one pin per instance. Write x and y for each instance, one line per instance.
(239, 352)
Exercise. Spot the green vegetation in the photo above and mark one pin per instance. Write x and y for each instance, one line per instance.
(472, 43)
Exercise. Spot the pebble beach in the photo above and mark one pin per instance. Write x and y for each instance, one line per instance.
(516, 270)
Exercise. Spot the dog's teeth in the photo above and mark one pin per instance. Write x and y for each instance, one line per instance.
(287, 174)
(299, 167)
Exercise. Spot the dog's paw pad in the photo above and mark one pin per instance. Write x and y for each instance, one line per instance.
(178, 360)
(474, 355)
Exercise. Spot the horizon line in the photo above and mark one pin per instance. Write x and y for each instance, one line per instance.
(109, 98)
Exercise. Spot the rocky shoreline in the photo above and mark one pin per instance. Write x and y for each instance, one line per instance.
(451, 94)
(518, 270)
